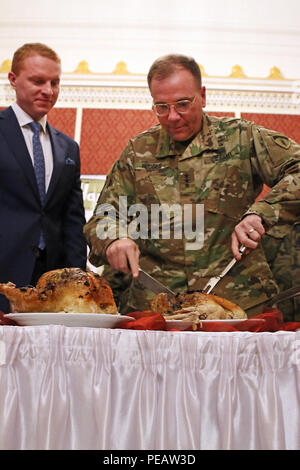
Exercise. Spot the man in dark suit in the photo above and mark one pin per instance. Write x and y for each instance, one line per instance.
(41, 204)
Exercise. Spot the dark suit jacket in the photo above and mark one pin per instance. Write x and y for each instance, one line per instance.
(21, 215)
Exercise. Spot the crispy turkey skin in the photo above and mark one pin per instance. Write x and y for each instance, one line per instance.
(62, 290)
(204, 306)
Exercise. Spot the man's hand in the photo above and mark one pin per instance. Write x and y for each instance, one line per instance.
(248, 233)
(123, 255)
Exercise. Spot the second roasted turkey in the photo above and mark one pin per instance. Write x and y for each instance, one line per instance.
(62, 290)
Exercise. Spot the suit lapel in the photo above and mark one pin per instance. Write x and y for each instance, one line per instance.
(59, 152)
(13, 135)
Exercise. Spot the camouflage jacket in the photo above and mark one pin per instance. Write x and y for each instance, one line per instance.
(224, 169)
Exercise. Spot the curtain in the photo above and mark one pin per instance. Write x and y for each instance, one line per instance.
(95, 388)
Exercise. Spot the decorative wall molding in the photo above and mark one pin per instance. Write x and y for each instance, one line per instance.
(83, 68)
(123, 90)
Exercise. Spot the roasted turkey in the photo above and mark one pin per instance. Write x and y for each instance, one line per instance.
(62, 290)
(196, 306)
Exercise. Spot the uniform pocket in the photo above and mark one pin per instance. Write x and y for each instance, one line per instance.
(226, 189)
(145, 190)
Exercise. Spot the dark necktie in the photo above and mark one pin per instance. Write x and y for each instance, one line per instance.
(39, 167)
(38, 158)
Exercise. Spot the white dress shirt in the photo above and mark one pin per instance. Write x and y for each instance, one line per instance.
(24, 119)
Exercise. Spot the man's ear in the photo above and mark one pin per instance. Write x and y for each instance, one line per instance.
(12, 79)
(203, 96)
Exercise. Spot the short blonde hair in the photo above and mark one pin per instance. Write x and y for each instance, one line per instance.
(29, 49)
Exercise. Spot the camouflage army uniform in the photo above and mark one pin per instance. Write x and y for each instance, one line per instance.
(223, 168)
(281, 245)
(118, 281)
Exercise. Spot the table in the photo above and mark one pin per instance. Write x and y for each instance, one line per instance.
(88, 388)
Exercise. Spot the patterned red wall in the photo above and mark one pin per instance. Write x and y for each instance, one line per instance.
(104, 134)
(221, 114)
(63, 119)
(287, 124)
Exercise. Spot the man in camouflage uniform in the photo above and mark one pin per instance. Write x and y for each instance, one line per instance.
(188, 160)
(281, 245)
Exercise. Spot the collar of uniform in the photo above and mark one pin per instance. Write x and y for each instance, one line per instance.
(24, 119)
(204, 140)
(166, 145)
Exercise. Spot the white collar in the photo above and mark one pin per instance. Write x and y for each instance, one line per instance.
(24, 118)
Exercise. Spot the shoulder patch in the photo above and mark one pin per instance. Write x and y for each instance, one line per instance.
(281, 140)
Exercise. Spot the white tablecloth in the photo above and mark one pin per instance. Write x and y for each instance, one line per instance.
(89, 388)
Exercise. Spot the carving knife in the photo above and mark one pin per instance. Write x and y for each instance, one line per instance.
(152, 284)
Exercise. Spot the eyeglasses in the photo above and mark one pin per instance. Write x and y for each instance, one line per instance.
(181, 107)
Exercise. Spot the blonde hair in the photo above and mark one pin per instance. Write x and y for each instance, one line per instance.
(30, 49)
